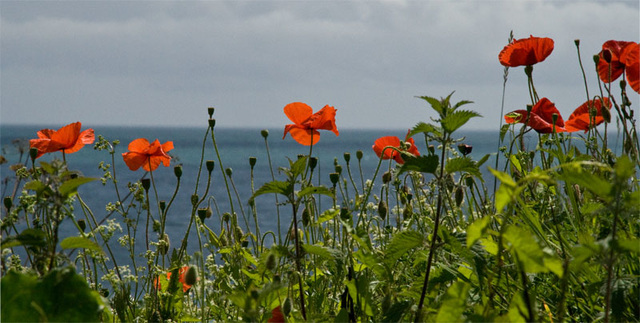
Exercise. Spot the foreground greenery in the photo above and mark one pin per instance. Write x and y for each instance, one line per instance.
(551, 236)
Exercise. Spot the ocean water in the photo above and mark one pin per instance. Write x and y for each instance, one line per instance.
(235, 146)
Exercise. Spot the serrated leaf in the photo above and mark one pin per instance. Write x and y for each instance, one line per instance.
(456, 119)
(454, 303)
(80, 242)
(435, 104)
(70, 187)
(423, 163)
(462, 164)
(400, 244)
(322, 251)
(276, 187)
(476, 229)
(315, 190)
(503, 177)
(328, 215)
(425, 128)
(28, 237)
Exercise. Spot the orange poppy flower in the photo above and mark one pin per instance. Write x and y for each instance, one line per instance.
(306, 123)
(67, 139)
(526, 51)
(580, 118)
(630, 57)
(148, 155)
(181, 279)
(541, 117)
(614, 47)
(393, 141)
(276, 316)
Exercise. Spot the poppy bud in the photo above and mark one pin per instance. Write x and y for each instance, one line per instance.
(164, 244)
(528, 70)
(577, 42)
(623, 84)
(178, 171)
(33, 153)
(212, 123)
(407, 212)
(347, 157)
(271, 262)
(359, 154)
(382, 209)
(146, 183)
(8, 203)
(156, 226)
(210, 110)
(264, 133)
(338, 169)
(306, 218)
(596, 59)
(606, 114)
(163, 206)
(313, 162)
(228, 171)
(529, 108)
(554, 118)
(191, 276)
(465, 149)
(226, 217)
(386, 177)
(252, 161)
(469, 181)
(334, 177)
(238, 233)
(210, 164)
(81, 223)
(194, 199)
(286, 307)
(202, 214)
(606, 55)
(459, 195)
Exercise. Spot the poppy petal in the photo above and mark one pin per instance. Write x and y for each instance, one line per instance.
(581, 119)
(304, 136)
(134, 160)
(276, 316)
(609, 72)
(546, 109)
(526, 51)
(139, 145)
(382, 142)
(630, 57)
(324, 119)
(67, 136)
(298, 112)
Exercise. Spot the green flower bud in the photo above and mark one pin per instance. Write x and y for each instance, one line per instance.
(264, 133)
(407, 213)
(164, 244)
(386, 177)
(194, 199)
(306, 218)
(286, 307)
(459, 195)
(228, 171)
(347, 157)
(359, 154)
(146, 183)
(33, 153)
(81, 223)
(382, 209)
(596, 59)
(210, 164)
(212, 123)
(178, 171)
(252, 161)
(271, 262)
(345, 215)
(606, 114)
(191, 276)
(8, 203)
(163, 206)
(210, 110)
(226, 216)
(334, 177)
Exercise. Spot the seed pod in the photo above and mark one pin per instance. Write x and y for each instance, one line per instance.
(306, 217)
(338, 169)
(347, 157)
(33, 153)
(146, 183)
(345, 215)
(210, 164)
(386, 177)
(191, 276)
(202, 214)
(607, 55)
(81, 223)
(252, 161)
(229, 171)
(177, 171)
(313, 162)
(264, 133)
(163, 206)
(271, 262)
(194, 199)
(407, 213)
(210, 110)
(459, 195)
(334, 177)
(359, 154)
(382, 209)
(8, 203)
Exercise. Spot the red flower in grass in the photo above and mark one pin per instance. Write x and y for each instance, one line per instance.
(610, 67)
(526, 51)
(276, 316)
(181, 279)
(148, 155)
(580, 119)
(541, 117)
(67, 139)
(306, 123)
(630, 57)
(393, 141)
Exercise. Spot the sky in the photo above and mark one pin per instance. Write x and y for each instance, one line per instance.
(162, 63)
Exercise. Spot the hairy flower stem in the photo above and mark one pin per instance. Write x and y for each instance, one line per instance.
(298, 266)
(434, 236)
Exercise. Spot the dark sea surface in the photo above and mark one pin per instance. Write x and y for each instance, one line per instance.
(235, 147)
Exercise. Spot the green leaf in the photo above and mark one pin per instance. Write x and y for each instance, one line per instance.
(531, 256)
(315, 190)
(575, 173)
(80, 242)
(454, 303)
(423, 163)
(322, 251)
(328, 215)
(462, 164)
(435, 104)
(276, 187)
(503, 177)
(400, 244)
(425, 128)
(477, 229)
(70, 187)
(456, 119)
(28, 237)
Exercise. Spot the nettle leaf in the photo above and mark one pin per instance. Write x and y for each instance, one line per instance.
(425, 128)
(477, 229)
(400, 244)
(323, 252)
(276, 187)
(298, 167)
(315, 190)
(424, 163)
(38, 187)
(435, 104)
(528, 251)
(70, 187)
(454, 303)
(28, 237)
(457, 119)
(463, 164)
(328, 215)
(574, 173)
(80, 242)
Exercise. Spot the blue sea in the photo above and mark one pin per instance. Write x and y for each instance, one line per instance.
(235, 146)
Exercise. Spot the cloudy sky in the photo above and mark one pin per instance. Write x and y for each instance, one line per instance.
(165, 62)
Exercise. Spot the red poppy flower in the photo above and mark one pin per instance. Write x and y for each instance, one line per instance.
(630, 57)
(149, 156)
(580, 118)
(276, 315)
(67, 139)
(181, 279)
(306, 123)
(615, 66)
(526, 51)
(541, 118)
(393, 141)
